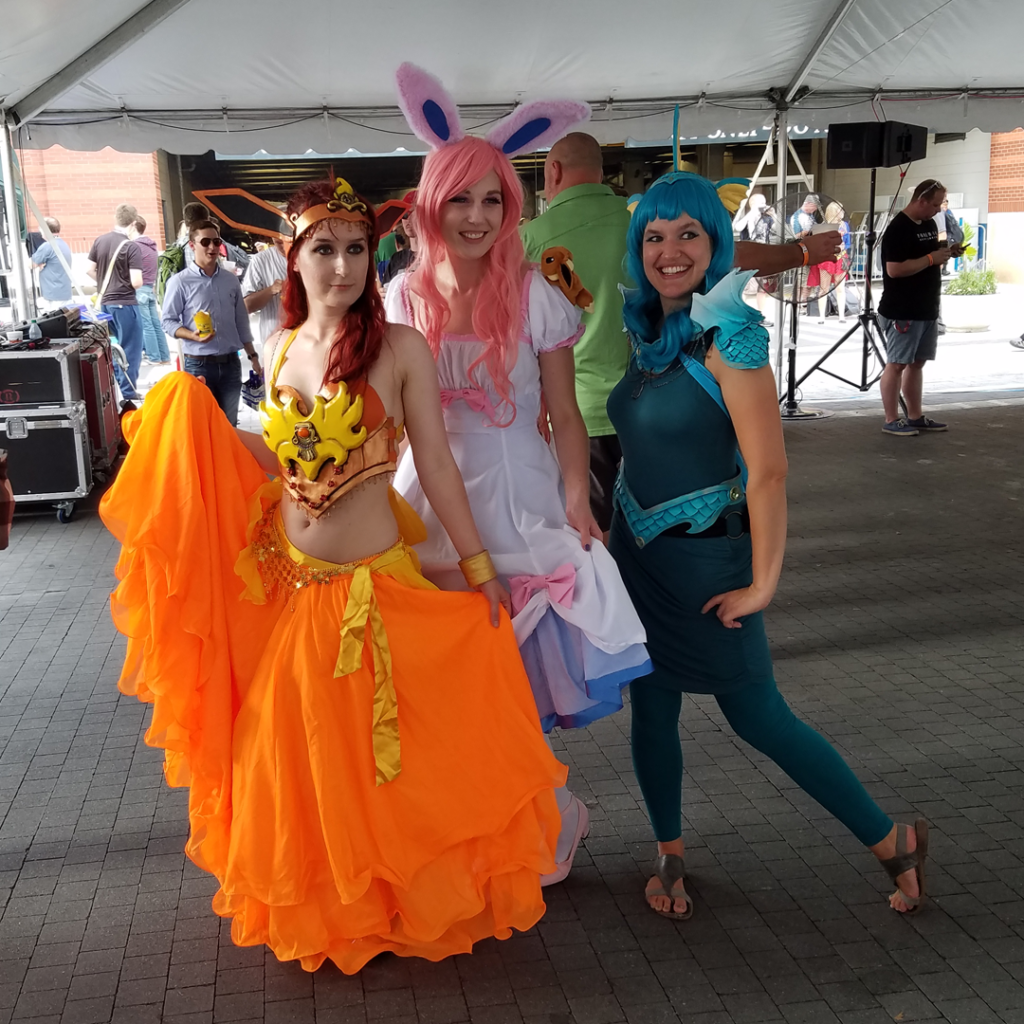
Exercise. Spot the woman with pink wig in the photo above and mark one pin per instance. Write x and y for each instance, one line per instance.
(502, 338)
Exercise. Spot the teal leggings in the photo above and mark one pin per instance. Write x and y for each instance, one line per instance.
(761, 716)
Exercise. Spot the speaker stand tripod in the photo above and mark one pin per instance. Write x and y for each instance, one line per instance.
(872, 342)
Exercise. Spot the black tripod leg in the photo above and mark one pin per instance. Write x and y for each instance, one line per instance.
(817, 366)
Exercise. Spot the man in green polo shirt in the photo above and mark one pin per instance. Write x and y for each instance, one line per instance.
(590, 220)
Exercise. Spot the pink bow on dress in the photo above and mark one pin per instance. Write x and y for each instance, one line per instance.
(559, 584)
(478, 401)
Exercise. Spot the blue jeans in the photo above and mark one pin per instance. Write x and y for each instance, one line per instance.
(128, 328)
(153, 339)
(223, 379)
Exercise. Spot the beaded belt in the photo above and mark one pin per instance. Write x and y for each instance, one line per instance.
(283, 567)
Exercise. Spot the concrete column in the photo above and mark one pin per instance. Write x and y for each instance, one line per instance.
(633, 175)
(711, 161)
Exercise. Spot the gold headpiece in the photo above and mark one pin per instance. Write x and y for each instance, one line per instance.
(344, 206)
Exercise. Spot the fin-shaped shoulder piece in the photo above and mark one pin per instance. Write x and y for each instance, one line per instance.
(740, 335)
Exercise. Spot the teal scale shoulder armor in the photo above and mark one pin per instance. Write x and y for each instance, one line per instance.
(738, 329)
(746, 349)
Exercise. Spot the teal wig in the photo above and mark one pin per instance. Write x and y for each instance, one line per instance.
(669, 198)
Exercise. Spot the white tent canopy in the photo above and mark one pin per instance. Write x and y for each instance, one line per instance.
(239, 76)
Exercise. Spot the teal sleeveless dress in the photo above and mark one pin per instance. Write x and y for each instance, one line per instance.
(678, 440)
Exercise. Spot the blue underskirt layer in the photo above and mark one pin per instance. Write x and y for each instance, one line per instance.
(575, 683)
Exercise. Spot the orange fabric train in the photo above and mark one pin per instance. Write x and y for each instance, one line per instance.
(314, 857)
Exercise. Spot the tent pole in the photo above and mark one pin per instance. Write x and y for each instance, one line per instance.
(105, 49)
(815, 51)
(22, 305)
(800, 167)
(765, 156)
(781, 141)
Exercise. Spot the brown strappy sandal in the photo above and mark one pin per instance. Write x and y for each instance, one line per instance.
(906, 860)
(669, 869)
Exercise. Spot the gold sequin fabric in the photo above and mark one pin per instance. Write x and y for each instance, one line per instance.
(279, 571)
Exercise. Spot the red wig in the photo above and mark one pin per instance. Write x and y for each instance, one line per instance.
(361, 330)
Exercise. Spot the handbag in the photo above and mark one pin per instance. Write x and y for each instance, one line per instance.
(97, 299)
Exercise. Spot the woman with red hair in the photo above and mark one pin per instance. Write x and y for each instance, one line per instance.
(502, 338)
(309, 685)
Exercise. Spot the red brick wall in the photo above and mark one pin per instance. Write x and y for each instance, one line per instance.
(82, 190)
(1006, 176)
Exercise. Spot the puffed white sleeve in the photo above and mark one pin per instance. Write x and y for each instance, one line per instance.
(551, 320)
(396, 300)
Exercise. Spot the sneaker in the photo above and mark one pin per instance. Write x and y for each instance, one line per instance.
(925, 423)
(1017, 342)
(901, 428)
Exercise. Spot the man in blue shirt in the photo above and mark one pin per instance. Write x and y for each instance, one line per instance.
(205, 287)
(54, 282)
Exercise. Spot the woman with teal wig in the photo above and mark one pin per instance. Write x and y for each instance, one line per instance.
(699, 530)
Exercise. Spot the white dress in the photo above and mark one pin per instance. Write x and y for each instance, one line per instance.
(580, 638)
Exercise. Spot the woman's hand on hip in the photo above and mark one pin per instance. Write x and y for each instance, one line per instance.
(497, 597)
(735, 604)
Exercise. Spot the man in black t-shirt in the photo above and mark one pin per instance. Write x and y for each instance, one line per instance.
(115, 264)
(912, 262)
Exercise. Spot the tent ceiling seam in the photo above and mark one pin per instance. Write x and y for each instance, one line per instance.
(811, 58)
(641, 107)
(881, 45)
(104, 50)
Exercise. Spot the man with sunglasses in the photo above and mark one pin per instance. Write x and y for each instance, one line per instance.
(205, 287)
(912, 262)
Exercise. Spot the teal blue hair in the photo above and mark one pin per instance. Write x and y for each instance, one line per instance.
(669, 198)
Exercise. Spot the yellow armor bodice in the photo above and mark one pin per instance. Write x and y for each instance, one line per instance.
(326, 451)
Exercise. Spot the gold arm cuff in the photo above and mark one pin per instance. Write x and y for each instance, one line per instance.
(478, 569)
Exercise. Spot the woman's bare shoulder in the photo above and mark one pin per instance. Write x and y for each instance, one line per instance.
(405, 340)
(270, 347)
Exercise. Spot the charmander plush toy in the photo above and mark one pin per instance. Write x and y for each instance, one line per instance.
(556, 266)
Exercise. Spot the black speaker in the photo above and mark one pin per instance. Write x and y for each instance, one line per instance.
(903, 143)
(875, 144)
(854, 145)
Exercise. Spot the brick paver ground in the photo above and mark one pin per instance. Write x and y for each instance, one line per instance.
(897, 632)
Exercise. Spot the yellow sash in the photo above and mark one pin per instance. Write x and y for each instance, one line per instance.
(271, 561)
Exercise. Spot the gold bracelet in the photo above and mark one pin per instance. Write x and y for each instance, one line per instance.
(478, 569)
(806, 252)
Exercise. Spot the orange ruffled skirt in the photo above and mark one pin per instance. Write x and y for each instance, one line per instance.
(271, 704)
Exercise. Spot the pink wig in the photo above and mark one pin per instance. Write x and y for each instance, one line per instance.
(497, 315)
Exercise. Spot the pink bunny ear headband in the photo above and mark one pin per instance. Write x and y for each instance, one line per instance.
(433, 117)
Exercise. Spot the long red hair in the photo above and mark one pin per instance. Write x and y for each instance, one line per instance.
(361, 330)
